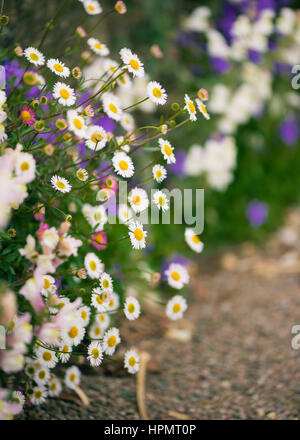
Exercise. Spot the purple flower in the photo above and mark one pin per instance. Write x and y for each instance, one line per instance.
(220, 65)
(254, 56)
(257, 213)
(289, 131)
(178, 167)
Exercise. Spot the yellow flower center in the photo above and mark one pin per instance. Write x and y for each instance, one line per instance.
(25, 115)
(60, 184)
(73, 332)
(83, 314)
(132, 361)
(24, 166)
(58, 67)
(134, 64)
(123, 165)
(138, 233)
(65, 349)
(176, 308)
(105, 284)
(131, 308)
(203, 108)
(91, 8)
(96, 137)
(168, 150)
(47, 356)
(113, 108)
(53, 386)
(102, 318)
(38, 394)
(72, 377)
(78, 124)
(175, 276)
(42, 374)
(158, 174)
(97, 331)
(46, 283)
(99, 299)
(99, 238)
(34, 56)
(157, 92)
(112, 340)
(64, 93)
(161, 201)
(195, 239)
(95, 353)
(93, 265)
(136, 200)
(98, 46)
(191, 106)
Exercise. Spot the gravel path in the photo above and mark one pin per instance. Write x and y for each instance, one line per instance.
(238, 363)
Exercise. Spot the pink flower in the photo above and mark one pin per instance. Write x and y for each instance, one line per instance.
(39, 212)
(99, 240)
(110, 183)
(40, 232)
(203, 94)
(27, 115)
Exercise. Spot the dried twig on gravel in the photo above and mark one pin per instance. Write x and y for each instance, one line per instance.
(140, 385)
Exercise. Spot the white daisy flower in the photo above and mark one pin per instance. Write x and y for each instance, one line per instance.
(161, 201)
(65, 351)
(96, 137)
(18, 398)
(177, 275)
(125, 213)
(190, 107)
(25, 166)
(58, 67)
(111, 106)
(95, 353)
(106, 282)
(132, 361)
(54, 387)
(193, 240)
(39, 395)
(42, 376)
(76, 123)
(96, 331)
(64, 93)
(60, 184)
(157, 93)
(124, 81)
(120, 142)
(62, 302)
(97, 47)
(113, 303)
(98, 301)
(167, 150)
(159, 173)
(74, 334)
(72, 377)
(103, 320)
(93, 265)
(34, 56)
(132, 62)
(132, 308)
(46, 357)
(137, 235)
(92, 7)
(176, 307)
(30, 369)
(202, 109)
(123, 164)
(110, 66)
(127, 122)
(48, 285)
(138, 199)
(82, 174)
(97, 217)
(84, 313)
(50, 238)
(110, 340)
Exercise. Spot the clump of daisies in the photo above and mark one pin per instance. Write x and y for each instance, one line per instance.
(66, 153)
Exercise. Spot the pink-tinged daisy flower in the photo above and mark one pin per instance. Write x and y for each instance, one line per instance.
(40, 232)
(99, 240)
(27, 115)
(39, 213)
(203, 94)
(110, 183)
